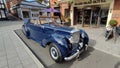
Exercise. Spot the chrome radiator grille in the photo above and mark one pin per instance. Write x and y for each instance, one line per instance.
(75, 37)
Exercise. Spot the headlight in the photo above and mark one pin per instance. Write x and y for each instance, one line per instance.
(70, 39)
(83, 35)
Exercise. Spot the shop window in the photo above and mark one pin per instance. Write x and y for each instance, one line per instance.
(104, 14)
(35, 15)
(25, 14)
(40, 13)
(2, 13)
(79, 15)
(56, 14)
(103, 0)
(67, 12)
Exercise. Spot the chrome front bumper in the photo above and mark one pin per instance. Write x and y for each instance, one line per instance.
(76, 54)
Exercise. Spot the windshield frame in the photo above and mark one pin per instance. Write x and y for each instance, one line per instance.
(46, 20)
(53, 19)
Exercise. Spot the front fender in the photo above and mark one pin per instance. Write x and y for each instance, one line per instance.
(60, 42)
(59, 39)
(86, 36)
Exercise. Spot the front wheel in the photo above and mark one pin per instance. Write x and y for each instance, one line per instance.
(55, 53)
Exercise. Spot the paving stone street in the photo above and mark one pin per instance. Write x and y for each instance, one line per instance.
(59, 33)
(97, 40)
(13, 52)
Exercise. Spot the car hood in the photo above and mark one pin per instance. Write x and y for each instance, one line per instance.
(61, 28)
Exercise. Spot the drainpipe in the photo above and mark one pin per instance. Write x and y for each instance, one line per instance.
(91, 17)
(72, 14)
(98, 19)
(82, 17)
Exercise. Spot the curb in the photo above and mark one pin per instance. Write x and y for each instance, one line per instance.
(39, 64)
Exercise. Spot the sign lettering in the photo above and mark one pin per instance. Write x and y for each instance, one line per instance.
(90, 2)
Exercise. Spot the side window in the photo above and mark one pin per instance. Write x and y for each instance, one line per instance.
(43, 21)
(35, 21)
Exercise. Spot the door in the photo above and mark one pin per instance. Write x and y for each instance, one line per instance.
(87, 17)
(36, 32)
(91, 16)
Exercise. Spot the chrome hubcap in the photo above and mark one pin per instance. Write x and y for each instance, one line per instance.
(54, 53)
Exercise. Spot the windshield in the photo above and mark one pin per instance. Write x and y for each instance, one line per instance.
(50, 20)
(44, 20)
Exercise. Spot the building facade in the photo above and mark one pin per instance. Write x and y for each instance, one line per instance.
(11, 5)
(116, 11)
(3, 10)
(24, 9)
(65, 8)
(93, 13)
(30, 9)
(54, 4)
(90, 12)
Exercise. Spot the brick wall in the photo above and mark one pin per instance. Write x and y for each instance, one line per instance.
(16, 1)
(116, 11)
(12, 3)
(63, 6)
(53, 4)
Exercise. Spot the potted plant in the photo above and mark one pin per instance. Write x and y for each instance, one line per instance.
(110, 33)
(113, 23)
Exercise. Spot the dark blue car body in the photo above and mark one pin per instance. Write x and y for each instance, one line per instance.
(60, 36)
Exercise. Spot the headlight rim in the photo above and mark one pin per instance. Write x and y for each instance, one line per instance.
(83, 35)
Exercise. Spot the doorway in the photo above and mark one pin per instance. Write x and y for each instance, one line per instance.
(25, 14)
(104, 16)
(87, 17)
(92, 16)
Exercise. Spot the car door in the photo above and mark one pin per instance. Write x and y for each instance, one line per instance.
(36, 32)
(46, 37)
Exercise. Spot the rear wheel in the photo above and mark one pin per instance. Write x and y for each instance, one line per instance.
(55, 53)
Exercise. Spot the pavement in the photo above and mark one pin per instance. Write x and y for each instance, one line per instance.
(97, 40)
(9, 17)
(13, 52)
(92, 58)
(12, 17)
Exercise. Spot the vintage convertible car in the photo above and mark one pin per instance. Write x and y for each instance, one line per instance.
(65, 43)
